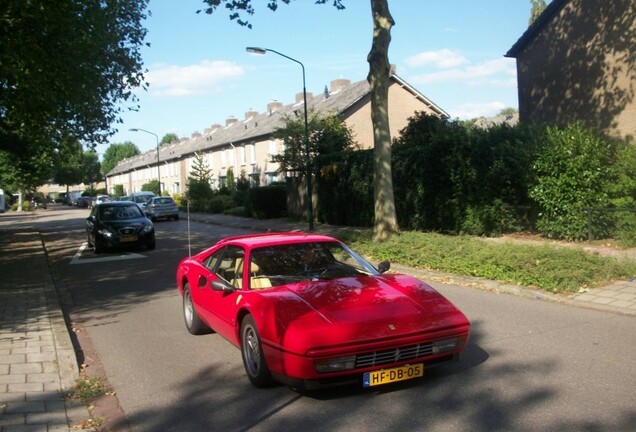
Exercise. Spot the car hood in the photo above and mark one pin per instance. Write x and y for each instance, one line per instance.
(119, 224)
(347, 311)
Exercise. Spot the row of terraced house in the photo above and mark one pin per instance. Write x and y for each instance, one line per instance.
(247, 145)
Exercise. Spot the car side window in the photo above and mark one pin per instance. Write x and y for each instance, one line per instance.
(227, 264)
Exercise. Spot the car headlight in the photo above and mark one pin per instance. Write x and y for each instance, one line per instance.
(147, 229)
(105, 233)
(446, 345)
(335, 364)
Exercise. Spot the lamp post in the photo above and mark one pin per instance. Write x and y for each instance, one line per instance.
(158, 166)
(310, 207)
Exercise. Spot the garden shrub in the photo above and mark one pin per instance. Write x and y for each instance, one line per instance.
(574, 172)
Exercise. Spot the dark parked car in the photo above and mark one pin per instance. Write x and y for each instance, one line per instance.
(84, 202)
(118, 224)
(161, 207)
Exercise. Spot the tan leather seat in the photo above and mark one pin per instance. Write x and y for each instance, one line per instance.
(258, 281)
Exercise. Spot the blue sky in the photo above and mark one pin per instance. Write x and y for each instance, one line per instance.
(199, 73)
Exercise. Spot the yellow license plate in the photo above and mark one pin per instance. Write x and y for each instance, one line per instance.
(386, 376)
(128, 238)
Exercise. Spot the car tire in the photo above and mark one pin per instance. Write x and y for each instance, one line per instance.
(152, 245)
(176, 217)
(252, 353)
(193, 323)
(88, 240)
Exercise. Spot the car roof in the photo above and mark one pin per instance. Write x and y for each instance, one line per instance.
(116, 204)
(274, 238)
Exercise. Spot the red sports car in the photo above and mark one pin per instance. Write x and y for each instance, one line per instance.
(307, 311)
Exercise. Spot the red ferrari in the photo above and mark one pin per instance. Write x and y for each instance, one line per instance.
(307, 311)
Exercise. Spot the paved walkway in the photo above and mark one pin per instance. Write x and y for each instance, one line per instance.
(37, 361)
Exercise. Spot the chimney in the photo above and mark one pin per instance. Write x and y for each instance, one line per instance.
(337, 84)
(273, 106)
(230, 120)
(250, 113)
(299, 97)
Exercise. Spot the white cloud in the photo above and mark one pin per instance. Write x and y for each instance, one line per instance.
(469, 111)
(202, 78)
(480, 73)
(442, 59)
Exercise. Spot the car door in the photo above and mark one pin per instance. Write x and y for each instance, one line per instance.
(219, 307)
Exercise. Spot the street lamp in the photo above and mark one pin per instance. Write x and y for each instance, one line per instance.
(310, 207)
(158, 166)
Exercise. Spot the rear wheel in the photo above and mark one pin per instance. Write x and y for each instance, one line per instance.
(176, 217)
(252, 353)
(193, 323)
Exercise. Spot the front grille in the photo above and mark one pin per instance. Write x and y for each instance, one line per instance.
(127, 230)
(394, 355)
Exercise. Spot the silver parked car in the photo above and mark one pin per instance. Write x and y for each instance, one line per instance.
(161, 207)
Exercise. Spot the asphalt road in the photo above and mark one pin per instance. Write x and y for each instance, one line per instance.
(530, 365)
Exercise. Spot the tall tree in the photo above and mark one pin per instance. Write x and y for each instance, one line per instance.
(67, 68)
(117, 152)
(91, 168)
(68, 163)
(168, 138)
(536, 8)
(326, 135)
(385, 225)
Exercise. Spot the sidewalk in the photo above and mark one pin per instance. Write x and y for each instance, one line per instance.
(37, 361)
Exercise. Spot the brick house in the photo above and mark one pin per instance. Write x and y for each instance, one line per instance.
(577, 61)
(247, 144)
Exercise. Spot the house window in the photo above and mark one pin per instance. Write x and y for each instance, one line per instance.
(242, 155)
(252, 150)
(273, 150)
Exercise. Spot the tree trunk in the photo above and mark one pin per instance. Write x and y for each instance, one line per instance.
(385, 225)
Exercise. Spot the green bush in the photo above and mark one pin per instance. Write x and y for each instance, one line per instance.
(267, 202)
(450, 176)
(574, 171)
(345, 188)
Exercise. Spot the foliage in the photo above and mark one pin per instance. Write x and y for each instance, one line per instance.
(116, 153)
(68, 161)
(229, 179)
(118, 190)
(326, 135)
(151, 186)
(268, 202)
(27, 170)
(507, 111)
(551, 268)
(536, 8)
(574, 171)
(88, 388)
(239, 7)
(200, 172)
(91, 168)
(453, 177)
(345, 188)
(168, 139)
(70, 78)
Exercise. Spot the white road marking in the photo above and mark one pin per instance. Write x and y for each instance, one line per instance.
(77, 259)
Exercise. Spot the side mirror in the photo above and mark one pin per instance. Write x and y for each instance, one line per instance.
(384, 266)
(220, 285)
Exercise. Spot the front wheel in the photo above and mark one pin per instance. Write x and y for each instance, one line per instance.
(193, 323)
(252, 353)
(98, 245)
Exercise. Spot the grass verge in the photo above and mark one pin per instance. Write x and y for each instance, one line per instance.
(551, 268)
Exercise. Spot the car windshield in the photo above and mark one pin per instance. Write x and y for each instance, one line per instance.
(166, 200)
(112, 213)
(278, 265)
